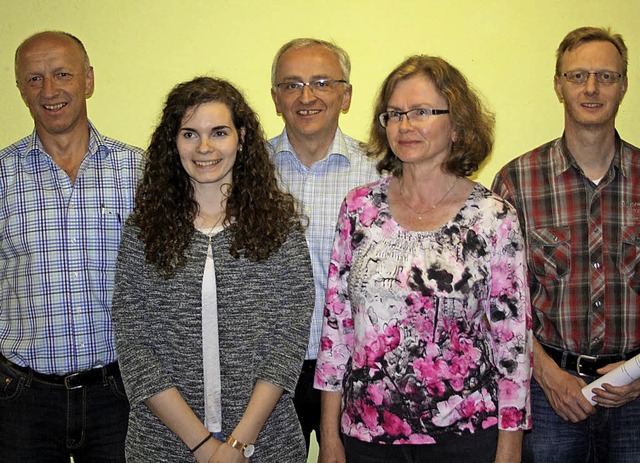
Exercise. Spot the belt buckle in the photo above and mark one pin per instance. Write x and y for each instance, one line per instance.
(580, 357)
(67, 380)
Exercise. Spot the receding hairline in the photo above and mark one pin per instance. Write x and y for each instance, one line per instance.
(306, 42)
(58, 34)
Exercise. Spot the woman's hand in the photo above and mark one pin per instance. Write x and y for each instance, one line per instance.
(227, 454)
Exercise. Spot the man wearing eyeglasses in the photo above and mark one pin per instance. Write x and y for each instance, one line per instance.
(318, 164)
(578, 200)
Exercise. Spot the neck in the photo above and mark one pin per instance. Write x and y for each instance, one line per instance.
(67, 150)
(593, 150)
(311, 149)
(211, 207)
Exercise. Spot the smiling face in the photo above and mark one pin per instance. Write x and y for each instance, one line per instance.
(591, 104)
(308, 114)
(208, 143)
(54, 83)
(426, 142)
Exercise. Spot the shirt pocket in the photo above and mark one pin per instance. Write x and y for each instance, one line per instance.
(630, 256)
(550, 252)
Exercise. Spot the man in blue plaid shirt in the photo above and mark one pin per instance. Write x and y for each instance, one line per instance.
(318, 164)
(65, 192)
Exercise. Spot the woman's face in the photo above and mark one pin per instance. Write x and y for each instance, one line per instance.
(208, 143)
(428, 141)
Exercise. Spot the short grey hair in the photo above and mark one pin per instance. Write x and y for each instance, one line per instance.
(76, 40)
(296, 44)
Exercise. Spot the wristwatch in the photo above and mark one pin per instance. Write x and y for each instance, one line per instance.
(246, 449)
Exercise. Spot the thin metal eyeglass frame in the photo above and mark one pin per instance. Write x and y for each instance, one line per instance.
(597, 74)
(301, 85)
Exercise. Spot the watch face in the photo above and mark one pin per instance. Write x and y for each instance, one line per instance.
(248, 450)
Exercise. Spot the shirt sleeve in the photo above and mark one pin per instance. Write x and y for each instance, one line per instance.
(336, 342)
(509, 315)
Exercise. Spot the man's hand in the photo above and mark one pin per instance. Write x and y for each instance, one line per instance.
(563, 390)
(615, 396)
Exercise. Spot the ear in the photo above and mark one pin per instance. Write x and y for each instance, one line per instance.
(623, 89)
(276, 102)
(558, 88)
(346, 99)
(241, 133)
(89, 83)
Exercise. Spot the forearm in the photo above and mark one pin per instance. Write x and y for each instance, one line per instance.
(170, 407)
(331, 448)
(263, 400)
(509, 447)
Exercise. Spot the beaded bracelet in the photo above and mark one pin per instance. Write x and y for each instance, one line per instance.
(201, 443)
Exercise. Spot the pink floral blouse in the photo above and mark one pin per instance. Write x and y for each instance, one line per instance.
(426, 333)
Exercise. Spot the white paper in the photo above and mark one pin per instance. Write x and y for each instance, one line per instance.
(626, 373)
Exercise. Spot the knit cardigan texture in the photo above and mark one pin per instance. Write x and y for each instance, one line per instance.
(264, 311)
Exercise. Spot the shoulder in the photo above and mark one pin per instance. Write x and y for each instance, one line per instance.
(488, 204)
(19, 147)
(541, 154)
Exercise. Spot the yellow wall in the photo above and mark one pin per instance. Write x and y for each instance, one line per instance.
(141, 48)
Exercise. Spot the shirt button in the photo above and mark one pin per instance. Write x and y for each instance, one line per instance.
(596, 265)
(597, 304)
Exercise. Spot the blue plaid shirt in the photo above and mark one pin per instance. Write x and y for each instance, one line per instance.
(58, 245)
(321, 189)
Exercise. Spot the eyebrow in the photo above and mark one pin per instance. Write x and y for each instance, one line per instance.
(217, 127)
(300, 79)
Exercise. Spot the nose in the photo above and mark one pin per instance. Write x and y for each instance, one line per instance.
(49, 87)
(591, 85)
(307, 95)
(204, 146)
(405, 124)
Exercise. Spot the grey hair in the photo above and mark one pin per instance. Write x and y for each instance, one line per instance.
(76, 40)
(296, 44)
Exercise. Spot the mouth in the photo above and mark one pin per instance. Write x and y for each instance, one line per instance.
(591, 105)
(307, 112)
(54, 107)
(207, 163)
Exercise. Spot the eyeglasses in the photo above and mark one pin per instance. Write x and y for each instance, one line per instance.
(320, 85)
(415, 115)
(604, 77)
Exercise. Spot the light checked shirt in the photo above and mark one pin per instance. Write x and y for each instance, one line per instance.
(320, 190)
(583, 246)
(58, 245)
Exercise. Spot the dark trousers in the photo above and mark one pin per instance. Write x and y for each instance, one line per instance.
(49, 423)
(479, 447)
(307, 402)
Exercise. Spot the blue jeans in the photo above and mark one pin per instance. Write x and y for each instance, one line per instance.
(479, 447)
(611, 435)
(49, 423)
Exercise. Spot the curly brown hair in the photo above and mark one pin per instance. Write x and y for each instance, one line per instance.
(473, 123)
(165, 204)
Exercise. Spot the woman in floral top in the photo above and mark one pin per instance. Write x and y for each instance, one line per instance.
(426, 344)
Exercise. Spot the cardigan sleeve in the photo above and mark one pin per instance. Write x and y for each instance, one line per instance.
(294, 295)
(142, 371)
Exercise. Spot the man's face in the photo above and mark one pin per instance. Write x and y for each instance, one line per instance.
(591, 104)
(54, 83)
(308, 114)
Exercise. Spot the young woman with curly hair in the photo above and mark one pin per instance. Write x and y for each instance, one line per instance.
(214, 290)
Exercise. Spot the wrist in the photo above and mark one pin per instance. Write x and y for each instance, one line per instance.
(246, 449)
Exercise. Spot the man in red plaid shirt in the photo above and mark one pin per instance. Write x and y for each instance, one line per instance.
(578, 200)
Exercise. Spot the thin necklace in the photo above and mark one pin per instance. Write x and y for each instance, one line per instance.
(420, 214)
(210, 232)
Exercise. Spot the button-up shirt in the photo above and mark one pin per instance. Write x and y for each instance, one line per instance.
(58, 245)
(583, 246)
(320, 190)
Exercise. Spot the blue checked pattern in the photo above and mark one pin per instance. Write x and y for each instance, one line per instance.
(58, 245)
(320, 190)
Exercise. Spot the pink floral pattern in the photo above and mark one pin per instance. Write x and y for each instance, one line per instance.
(427, 333)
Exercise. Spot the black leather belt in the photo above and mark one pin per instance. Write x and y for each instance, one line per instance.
(72, 380)
(585, 365)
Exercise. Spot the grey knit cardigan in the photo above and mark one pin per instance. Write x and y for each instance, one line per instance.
(264, 311)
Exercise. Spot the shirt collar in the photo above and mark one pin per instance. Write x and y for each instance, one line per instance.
(338, 146)
(563, 159)
(97, 145)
